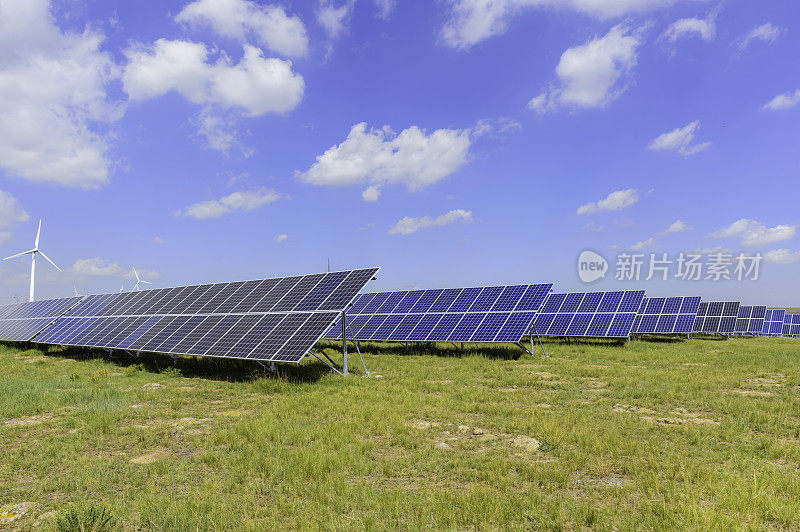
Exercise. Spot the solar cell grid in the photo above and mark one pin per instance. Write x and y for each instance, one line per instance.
(666, 315)
(476, 314)
(594, 314)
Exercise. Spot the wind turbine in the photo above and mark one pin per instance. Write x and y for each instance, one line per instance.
(138, 280)
(33, 253)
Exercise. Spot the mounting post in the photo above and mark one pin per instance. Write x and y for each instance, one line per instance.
(344, 345)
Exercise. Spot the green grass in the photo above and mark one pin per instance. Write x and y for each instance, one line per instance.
(648, 435)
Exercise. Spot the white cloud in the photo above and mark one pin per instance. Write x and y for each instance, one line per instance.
(767, 32)
(255, 86)
(644, 244)
(619, 199)
(678, 227)
(282, 237)
(237, 201)
(54, 106)
(409, 225)
(244, 20)
(592, 74)
(218, 131)
(782, 256)
(680, 139)
(98, 266)
(159, 240)
(378, 157)
(783, 101)
(753, 233)
(11, 213)
(385, 7)
(334, 19)
(472, 21)
(705, 28)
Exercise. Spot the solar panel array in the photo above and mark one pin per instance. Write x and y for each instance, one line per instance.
(750, 319)
(20, 322)
(277, 319)
(791, 326)
(773, 322)
(593, 314)
(479, 314)
(666, 315)
(717, 317)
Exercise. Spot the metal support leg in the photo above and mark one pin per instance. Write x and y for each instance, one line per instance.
(344, 345)
(272, 367)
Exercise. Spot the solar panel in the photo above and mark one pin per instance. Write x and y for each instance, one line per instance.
(666, 315)
(593, 314)
(477, 314)
(20, 322)
(791, 326)
(773, 322)
(750, 320)
(276, 319)
(716, 317)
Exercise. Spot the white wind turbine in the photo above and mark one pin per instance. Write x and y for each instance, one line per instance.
(138, 280)
(32, 253)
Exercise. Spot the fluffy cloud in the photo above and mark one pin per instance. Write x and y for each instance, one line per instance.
(678, 227)
(54, 106)
(97, 266)
(782, 256)
(705, 28)
(255, 86)
(619, 199)
(378, 157)
(334, 19)
(243, 20)
(282, 237)
(159, 240)
(644, 244)
(472, 21)
(680, 140)
(236, 201)
(768, 33)
(753, 233)
(409, 225)
(11, 213)
(592, 74)
(783, 101)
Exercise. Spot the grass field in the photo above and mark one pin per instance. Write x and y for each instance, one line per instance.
(648, 435)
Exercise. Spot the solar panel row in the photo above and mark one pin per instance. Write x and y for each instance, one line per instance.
(270, 319)
(716, 317)
(666, 315)
(593, 314)
(22, 321)
(480, 314)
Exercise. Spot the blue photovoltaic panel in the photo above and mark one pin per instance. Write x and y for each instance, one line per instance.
(791, 326)
(270, 319)
(666, 315)
(773, 322)
(717, 317)
(477, 314)
(593, 314)
(750, 319)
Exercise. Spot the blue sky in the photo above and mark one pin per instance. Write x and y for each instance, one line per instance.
(453, 143)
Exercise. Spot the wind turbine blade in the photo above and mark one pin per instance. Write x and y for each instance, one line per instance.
(48, 260)
(38, 233)
(20, 254)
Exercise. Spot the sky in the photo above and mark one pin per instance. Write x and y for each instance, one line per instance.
(453, 143)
